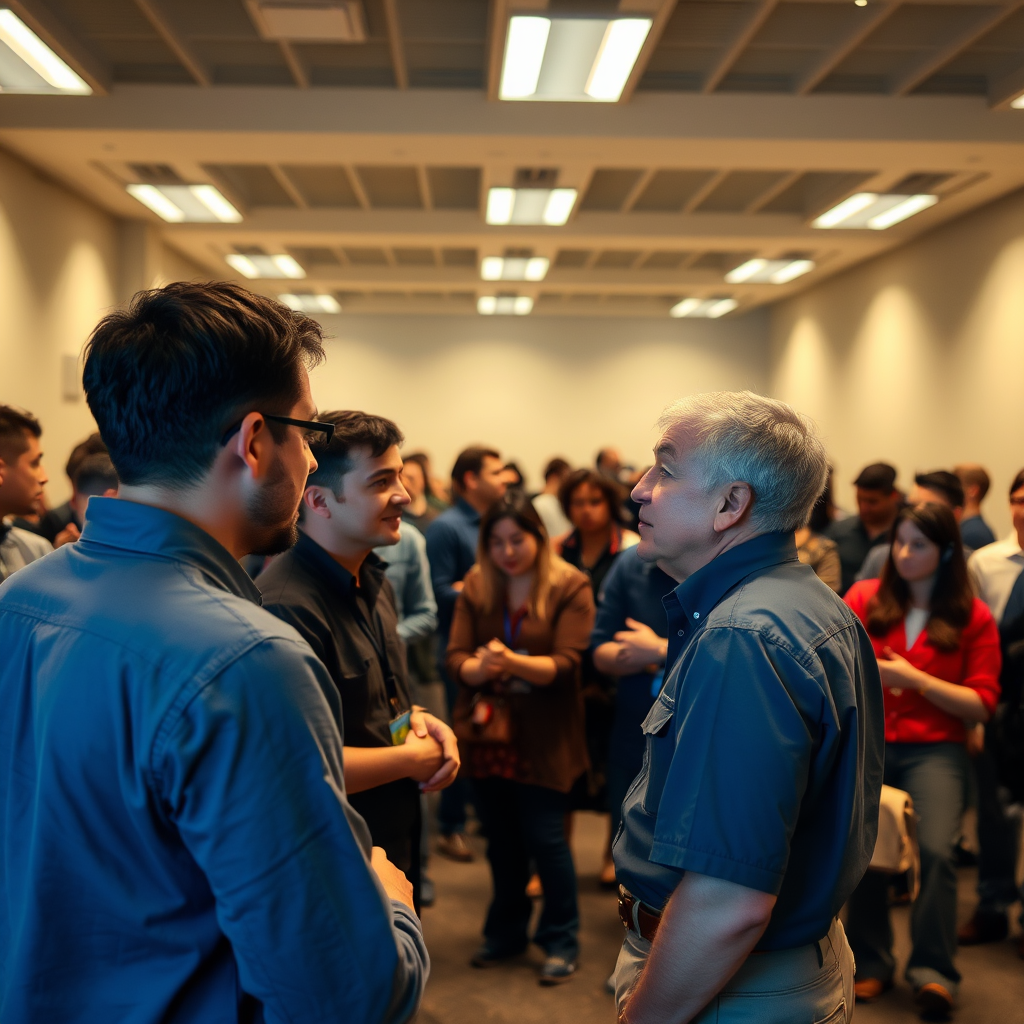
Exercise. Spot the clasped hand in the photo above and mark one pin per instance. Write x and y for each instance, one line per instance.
(495, 659)
(432, 740)
(897, 673)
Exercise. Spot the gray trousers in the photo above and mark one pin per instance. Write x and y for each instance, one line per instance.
(808, 985)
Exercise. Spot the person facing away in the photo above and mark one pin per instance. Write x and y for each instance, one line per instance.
(478, 481)
(938, 653)
(177, 842)
(878, 501)
(94, 476)
(939, 487)
(755, 813)
(332, 589)
(521, 626)
(22, 479)
(974, 531)
(548, 507)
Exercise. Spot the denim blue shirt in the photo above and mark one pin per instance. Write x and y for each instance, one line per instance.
(451, 550)
(409, 574)
(764, 749)
(176, 841)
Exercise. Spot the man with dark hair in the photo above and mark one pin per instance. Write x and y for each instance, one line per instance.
(93, 476)
(477, 483)
(176, 837)
(332, 588)
(976, 533)
(61, 524)
(547, 504)
(22, 479)
(878, 501)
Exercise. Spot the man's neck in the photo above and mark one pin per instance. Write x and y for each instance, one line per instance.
(476, 504)
(348, 553)
(682, 568)
(972, 509)
(874, 530)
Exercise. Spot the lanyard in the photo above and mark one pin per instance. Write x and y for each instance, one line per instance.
(512, 630)
(380, 648)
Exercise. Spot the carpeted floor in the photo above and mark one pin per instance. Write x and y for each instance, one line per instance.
(993, 986)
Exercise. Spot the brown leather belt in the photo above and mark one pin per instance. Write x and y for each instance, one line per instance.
(637, 916)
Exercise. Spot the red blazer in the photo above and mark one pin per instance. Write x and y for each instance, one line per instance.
(911, 718)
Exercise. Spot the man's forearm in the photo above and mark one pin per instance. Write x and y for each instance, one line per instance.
(707, 930)
(369, 767)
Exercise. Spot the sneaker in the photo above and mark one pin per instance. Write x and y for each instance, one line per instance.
(557, 970)
(455, 847)
(486, 957)
(427, 891)
(982, 928)
(934, 1001)
(869, 989)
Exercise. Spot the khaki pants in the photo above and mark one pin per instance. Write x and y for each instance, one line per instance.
(808, 985)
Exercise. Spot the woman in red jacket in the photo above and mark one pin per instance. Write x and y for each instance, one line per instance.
(938, 655)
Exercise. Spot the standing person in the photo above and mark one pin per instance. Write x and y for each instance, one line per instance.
(629, 643)
(332, 589)
(755, 814)
(878, 501)
(521, 625)
(938, 654)
(995, 572)
(94, 477)
(22, 479)
(976, 533)
(424, 506)
(478, 481)
(548, 507)
(177, 840)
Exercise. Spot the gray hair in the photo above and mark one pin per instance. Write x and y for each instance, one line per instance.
(737, 435)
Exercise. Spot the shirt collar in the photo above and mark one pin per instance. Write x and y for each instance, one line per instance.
(698, 594)
(6, 525)
(131, 526)
(467, 510)
(371, 573)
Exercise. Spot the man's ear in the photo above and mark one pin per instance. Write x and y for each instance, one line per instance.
(253, 444)
(315, 500)
(734, 505)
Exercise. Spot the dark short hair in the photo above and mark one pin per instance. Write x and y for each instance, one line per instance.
(971, 475)
(14, 425)
(352, 431)
(470, 460)
(945, 483)
(168, 376)
(1018, 483)
(879, 476)
(95, 474)
(92, 445)
(612, 493)
(555, 467)
(601, 456)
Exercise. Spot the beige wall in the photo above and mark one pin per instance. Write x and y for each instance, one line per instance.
(917, 358)
(533, 386)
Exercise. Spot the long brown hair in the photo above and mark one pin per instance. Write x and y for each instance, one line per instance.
(517, 507)
(952, 597)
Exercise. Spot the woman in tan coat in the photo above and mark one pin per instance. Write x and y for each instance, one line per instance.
(520, 628)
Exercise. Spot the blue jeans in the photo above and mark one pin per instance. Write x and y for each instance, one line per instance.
(524, 823)
(935, 776)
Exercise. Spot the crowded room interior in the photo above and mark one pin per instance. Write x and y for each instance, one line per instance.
(511, 511)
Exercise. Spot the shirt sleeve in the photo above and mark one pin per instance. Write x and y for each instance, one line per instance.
(982, 656)
(249, 768)
(442, 553)
(731, 792)
(612, 607)
(462, 641)
(572, 633)
(420, 618)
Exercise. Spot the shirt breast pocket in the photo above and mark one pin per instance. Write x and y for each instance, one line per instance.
(661, 745)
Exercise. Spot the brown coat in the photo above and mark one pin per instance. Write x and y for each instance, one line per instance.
(548, 721)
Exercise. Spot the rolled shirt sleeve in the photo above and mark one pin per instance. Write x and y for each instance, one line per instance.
(248, 767)
(728, 808)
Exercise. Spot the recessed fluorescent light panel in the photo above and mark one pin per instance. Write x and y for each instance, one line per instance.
(769, 271)
(530, 205)
(576, 60)
(191, 203)
(712, 308)
(27, 64)
(874, 210)
(262, 265)
(306, 303)
(504, 305)
(514, 268)
(1018, 103)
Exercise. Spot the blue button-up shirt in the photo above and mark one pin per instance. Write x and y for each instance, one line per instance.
(451, 550)
(176, 842)
(764, 749)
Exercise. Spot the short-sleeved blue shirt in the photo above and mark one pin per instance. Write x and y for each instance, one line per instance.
(764, 750)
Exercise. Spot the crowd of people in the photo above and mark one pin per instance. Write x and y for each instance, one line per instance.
(474, 656)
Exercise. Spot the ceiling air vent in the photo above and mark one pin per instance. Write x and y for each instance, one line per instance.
(309, 21)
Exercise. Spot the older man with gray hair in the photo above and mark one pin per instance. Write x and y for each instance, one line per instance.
(754, 816)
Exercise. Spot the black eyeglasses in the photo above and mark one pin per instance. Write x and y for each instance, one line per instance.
(310, 426)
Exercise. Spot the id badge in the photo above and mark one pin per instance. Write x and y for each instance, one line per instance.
(400, 728)
(515, 684)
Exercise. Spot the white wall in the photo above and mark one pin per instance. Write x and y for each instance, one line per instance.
(917, 358)
(533, 387)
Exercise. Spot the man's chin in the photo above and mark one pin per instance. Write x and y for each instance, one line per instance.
(281, 540)
(646, 549)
